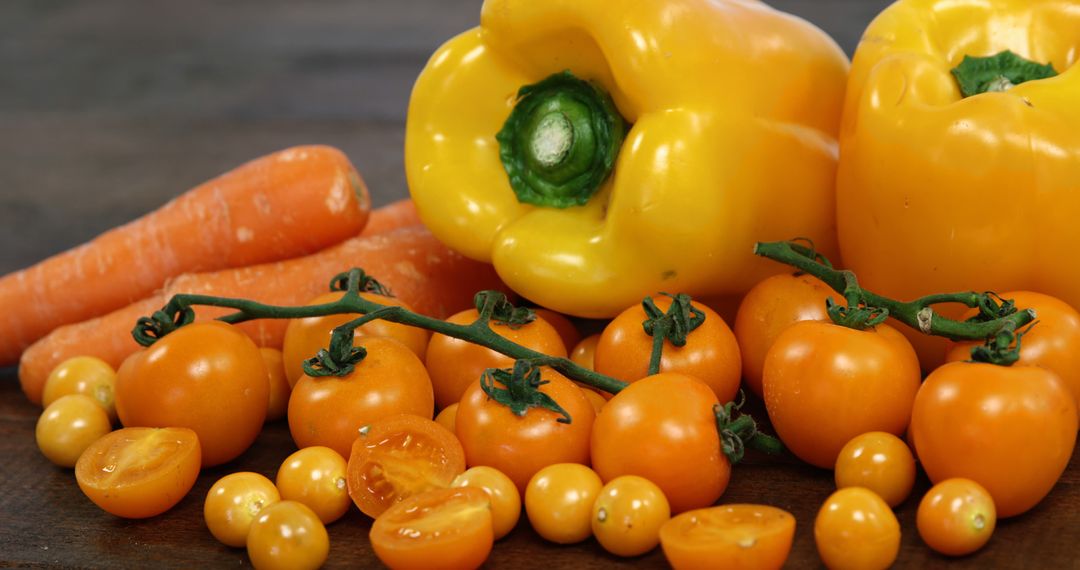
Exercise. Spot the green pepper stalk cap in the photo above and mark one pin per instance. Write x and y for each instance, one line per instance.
(999, 72)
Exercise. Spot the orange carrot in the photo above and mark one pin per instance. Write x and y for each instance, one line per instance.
(289, 203)
(392, 216)
(417, 268)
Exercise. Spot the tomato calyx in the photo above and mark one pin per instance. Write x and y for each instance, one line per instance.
(738, 432)
(493, 306)
(673, 326)
(364, 283)
(522, 389)
(149, 330)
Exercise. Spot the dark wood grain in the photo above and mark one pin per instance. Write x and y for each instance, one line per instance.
(108, 109)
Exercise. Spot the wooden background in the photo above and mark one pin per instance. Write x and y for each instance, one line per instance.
(109, 108)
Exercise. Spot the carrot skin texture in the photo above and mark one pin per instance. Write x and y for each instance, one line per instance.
(416, 267)
(392, 216)
(286, 204)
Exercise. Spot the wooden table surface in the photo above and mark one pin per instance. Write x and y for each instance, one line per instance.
(108, 109)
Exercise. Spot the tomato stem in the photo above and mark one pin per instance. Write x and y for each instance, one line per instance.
(680, 320)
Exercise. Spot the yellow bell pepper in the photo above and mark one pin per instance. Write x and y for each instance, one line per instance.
(940, 192)
(652, 145)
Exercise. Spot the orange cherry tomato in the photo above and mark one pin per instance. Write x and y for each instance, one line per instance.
(519, 446)
(447, 418)
(1012, 429)
(628, 514)
(330, 410)
(584, 352)
(505, 498)
(825, 384)
(565, 327)
(1053, 343)
(317, 477)
(595, 398)
(710, 354)
(440, 529)
(856, 529)
(736, 537)
(234, 502)
(656, 424)
(768, 308)
(880, 462)
(454, 364)
(559, 500)
(139, 472)
(208, 376)
(398, 457)
(87, 375)
(278, 405)
(306, 336)
(68, 426)
(287, 535)
(956, 517)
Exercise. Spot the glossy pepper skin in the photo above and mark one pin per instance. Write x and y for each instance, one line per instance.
(941, 193)
(733, 110)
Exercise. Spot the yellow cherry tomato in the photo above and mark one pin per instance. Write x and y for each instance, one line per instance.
(505, 499)
(595, 398)
(280, 389)
(316, 477)
(559, 500)
(86, 375)
(880, 462)
(628, 514)
(447, 418)
(584, 352)
(956, 517)
(233, 503)
(68, 426)
(855, 529)
(287, 535)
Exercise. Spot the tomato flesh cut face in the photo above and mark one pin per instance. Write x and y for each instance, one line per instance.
(140, 472)
(729, 536)
(442, 528)
(398, 457)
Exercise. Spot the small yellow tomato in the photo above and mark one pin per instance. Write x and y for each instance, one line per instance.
(287, 535)
(447, 418)
(856, 529)
(86, 375)
(584, 353)
(68, 426)
(956, 517)
(316, 477)
(880, 462)
(505, 499)
(280, 389)
(628, 514)
(233, 503)
(559, 500)
(595, 398)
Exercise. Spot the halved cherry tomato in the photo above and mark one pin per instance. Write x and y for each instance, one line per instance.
(880, 462)
(559, 500)
(1053, 343)
(739, 537)
(454, 364)
(68, 426)
(505, 498)
(628, 514)
(825, 384)
(1012, 429)
(287, 535)
(304, 337)
(710, 354)
(233, 503)
(316, 476)
(663, 428)
(519, 446)
(398, 457)
(442, 528)
(768, 308)
(329, 410)
(87, 375)
(278, 405)
(207, 376)
(856, 529)
(956, 517)
(139, 472)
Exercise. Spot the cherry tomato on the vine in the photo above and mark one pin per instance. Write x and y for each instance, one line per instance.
(454, 363)
(519, 446)
(711, 353)
(330, 410)
(68, 426)
(304, 337)
(87, 375)
(440, 529)
(505, 497)
(233, 503)
(956, 517)
(663, 428)
(584, 352)
(207, 376)
(559, 500)
(628, 514)
(735, 537)
(316, 476)
(1012, 429)
(277, 406)
(825, 384)
(768, 308)
(856, 529)
(880, 462)
(287, 535)
(564, 326)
